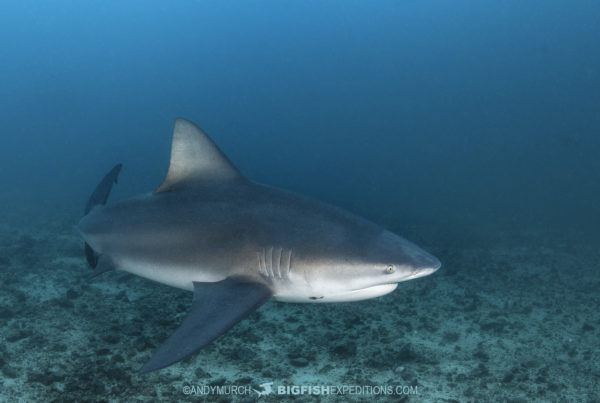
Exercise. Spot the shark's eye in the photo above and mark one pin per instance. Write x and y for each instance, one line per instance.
(390, 269)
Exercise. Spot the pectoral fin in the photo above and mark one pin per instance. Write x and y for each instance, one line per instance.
(216, 308)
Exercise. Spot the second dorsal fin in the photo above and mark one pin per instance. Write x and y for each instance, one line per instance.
(195, 160)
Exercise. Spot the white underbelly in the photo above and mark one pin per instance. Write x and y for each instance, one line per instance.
(302, 295)
(174, 276)
(297, 291)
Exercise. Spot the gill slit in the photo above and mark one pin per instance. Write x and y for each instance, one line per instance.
(260, 261)
(275, 262)
(279, 263)
(270, 260)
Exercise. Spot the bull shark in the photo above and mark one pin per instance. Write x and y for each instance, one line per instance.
(236, 244)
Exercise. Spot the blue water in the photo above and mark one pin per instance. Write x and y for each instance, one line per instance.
(456, 123)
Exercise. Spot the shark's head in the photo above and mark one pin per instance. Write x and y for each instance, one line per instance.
(360, 269)
(402, 260)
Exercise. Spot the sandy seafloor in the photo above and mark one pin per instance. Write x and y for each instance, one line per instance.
(512, 317)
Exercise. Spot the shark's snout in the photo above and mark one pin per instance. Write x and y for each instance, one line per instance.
(424, 264)
(405, 253)
(428, 263)
(426, 271)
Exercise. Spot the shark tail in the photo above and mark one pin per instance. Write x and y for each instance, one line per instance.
(100, 197)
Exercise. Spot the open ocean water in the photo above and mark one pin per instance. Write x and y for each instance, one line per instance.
(470, 128)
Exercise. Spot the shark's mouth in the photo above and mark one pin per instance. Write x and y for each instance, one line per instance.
(339, 296)
(360, 294)
(422, 273)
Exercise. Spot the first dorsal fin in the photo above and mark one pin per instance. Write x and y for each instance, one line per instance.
(195, 160)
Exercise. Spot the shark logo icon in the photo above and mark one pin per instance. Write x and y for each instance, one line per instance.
(266, 389)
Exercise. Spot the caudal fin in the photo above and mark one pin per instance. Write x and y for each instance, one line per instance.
(100, 196)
